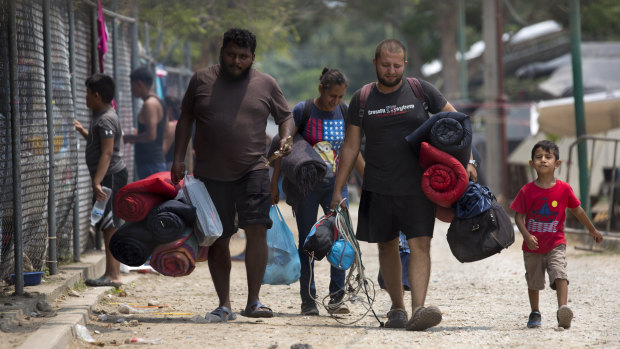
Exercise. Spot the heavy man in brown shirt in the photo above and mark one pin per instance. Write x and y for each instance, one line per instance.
(230, 103)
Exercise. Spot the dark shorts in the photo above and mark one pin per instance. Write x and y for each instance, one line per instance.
(114, 181)
(381, 217)
(243, 202)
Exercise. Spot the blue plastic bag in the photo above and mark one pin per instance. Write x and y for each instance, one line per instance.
(283, 265)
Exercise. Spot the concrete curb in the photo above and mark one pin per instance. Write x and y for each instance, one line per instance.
(92, 263)
(57, 331)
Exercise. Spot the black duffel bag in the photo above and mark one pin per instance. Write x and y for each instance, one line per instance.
(321, 237)
(481, 236)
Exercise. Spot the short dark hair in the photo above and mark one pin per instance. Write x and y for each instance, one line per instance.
(331, 77)
(240, 37)
(547, 146)
(101, 84)
(142, 74)
(391, 45)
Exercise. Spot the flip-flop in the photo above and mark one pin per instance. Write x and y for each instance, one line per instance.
(102, 281)
(253, 310)
(220, 314)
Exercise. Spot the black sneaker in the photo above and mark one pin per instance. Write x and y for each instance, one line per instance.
(309, 309)
(535, 319)
(337, 307)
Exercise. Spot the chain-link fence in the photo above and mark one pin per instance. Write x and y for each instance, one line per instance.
(71, 176)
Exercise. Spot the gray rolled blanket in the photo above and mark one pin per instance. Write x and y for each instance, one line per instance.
(303, 168)
(447, 131)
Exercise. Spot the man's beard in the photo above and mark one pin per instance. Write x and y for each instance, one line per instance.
(232, 76)
(388, 83)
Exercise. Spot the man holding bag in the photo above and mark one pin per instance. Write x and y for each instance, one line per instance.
(230, 103)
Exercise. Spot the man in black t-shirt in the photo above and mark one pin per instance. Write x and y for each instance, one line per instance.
(392, 199)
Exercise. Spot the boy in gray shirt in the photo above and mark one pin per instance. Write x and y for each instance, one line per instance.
(106, 167)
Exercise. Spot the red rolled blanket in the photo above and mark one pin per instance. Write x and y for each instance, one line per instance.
(135, 200)
(444, 179)
(176, 258)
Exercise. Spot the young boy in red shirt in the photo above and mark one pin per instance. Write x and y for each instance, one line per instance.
(540, 211)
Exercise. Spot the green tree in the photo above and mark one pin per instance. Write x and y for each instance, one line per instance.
(273, 21)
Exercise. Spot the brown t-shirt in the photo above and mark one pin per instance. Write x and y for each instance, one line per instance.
(231, 118)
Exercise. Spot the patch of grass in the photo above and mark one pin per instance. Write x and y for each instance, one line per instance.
(79, 286)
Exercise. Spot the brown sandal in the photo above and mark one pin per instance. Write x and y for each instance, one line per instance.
(397, 318)
(424, 318)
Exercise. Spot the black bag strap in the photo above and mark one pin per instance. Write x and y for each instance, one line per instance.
(344, 109)
(305, 115)
(363, 98)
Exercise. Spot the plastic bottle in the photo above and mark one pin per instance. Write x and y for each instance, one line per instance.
(82, 333)
(99, 207)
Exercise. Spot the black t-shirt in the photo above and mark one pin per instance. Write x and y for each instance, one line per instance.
(391, 167)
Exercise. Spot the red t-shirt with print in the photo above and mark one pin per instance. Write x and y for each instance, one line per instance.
(545, 211)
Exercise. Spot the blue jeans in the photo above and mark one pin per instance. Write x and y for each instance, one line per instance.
(146, 169)
(306, 216)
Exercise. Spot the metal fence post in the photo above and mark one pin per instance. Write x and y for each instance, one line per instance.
(18, 238)
(76, 194)
(95, 68)
(51, 199)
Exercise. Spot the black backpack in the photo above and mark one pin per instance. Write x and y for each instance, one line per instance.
(481, 236)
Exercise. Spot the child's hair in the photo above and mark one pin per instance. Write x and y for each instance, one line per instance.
(101, 84)
(547, 146)
(331, 77)
(142, 74)
(241, 38)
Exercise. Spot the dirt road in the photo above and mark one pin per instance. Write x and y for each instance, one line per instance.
(484, 304)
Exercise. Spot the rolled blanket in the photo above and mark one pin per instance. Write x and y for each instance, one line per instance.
(176, 258)
(132, 244)
(303, 167)
(444, 214)
(135, 200)
(293, 196)
(203, 253)
(444, 179)
(168, 220)
(447, 131)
